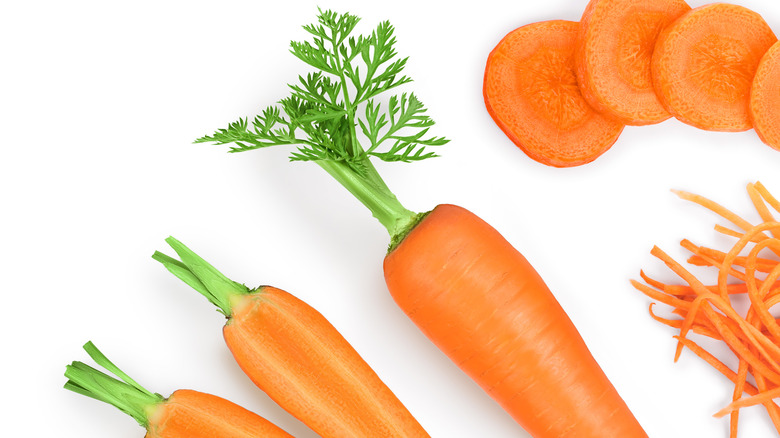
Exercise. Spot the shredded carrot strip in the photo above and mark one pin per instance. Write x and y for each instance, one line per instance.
(729, 232)
(771, 200)
(725, 307)
(756, 298)
(677, 323)
(771, 407)
(682, 290)
(717, 364)
(715, 208)
(660, 296)
(707, 310)
(685, 243)
(757, 230)
(761, 208)
(750, 401)
(739, 387)
(762, 264)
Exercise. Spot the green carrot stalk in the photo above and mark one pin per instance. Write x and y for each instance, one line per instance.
(185, 414)
(335, 117)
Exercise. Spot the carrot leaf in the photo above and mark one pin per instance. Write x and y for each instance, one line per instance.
(325, 108)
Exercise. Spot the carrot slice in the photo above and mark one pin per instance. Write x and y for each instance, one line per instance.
(764, 99)
(704, 63)
(614, 49)
(531, 92)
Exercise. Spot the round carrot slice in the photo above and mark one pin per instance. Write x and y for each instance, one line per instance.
(704, 62)
(614, 49)
(765, 98)
(531, 92)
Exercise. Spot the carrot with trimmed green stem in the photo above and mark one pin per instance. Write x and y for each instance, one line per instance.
(290, 351)
(184, 414)
(476, 297)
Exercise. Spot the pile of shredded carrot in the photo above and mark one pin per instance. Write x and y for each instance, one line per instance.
(751, 268)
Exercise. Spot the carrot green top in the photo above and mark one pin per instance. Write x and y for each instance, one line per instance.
(127, 395)
(326, 107)
(201, 276)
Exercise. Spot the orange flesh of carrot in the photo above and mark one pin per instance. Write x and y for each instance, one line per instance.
(764, 99)
(704, 63)
(614, 49)
(480, 301)
(753, 338)
(291, 352)
(530, 90)
(193, 414)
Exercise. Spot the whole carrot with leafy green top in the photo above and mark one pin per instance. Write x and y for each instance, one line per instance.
(475, 296)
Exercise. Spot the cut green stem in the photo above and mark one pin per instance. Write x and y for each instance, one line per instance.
(377, 198)
(201, 276)
(125, 394)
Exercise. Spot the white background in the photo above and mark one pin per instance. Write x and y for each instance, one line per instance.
(99, 104)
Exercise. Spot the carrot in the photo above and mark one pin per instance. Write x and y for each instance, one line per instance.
(291, 352)
(704, 62)
(475, 296)
(614, 49)
(530, 90)
(184, 414)
(764, 100)
(708, 310)
(509, 332)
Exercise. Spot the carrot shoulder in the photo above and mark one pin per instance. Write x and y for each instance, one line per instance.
(297, 357)
(530, 90)
(614, 49)
(704, 62)
(185, 414)
(484, 306)
(764, 98)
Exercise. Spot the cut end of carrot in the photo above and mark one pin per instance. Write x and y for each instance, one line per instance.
(704, 63)
(531, 91)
